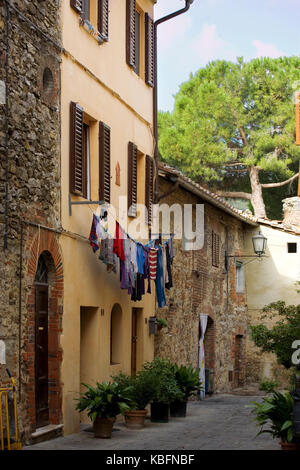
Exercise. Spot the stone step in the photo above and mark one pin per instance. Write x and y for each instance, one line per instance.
(46, 433)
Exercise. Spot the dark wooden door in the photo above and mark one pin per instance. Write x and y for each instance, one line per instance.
(134, 341)
(41, 355)
(237, 361)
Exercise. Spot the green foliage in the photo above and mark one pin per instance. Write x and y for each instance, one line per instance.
(280, 337)
(234, 113)
(268, 386)
(278, 409)
(106, 400)
(164, 385)
(140, 385)
(162, 322)
(187, 380)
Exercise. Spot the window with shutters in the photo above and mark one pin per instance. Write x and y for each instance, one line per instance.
(104, 162)
(96, 13)
(132, 179)
(149, 175)
(215, 246)
(79, 152)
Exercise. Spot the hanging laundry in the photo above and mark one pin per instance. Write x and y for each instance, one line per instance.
(169, 284)
(164, 256)
(159, 281)
(140, 258)
(93, 237)
(147, 267)
(153, 262)
(118, 247)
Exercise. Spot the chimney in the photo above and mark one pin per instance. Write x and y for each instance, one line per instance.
(291, 211)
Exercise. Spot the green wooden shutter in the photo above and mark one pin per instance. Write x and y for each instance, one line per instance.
(103, 14)
(130, 33)
(76, 149)
(149, 189)
(149, 50)
(104, 162)
(132, 179)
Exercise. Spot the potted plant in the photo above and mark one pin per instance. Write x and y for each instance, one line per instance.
(161, 323)
(103, 403)
(188, 382)
(141, 391)
(164, 388)
(278, 411)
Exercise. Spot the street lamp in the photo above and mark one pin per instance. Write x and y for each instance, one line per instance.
(259, 247)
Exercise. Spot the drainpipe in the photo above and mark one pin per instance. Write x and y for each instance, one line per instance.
(155, 128)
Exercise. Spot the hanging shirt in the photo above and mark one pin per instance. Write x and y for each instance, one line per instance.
(153, 262)
(169, 284)
(140, 258)
(118, 247)
(164, 256)
(147, 267)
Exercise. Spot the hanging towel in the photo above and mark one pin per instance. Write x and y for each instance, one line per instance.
(159, 281)
(153, 262)
(93, 234)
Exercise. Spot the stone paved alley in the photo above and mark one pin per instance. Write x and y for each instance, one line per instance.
(219, 423)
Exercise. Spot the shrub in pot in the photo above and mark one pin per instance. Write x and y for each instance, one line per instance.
(278, 411)
(188, 382)
(164, 388)
(141, 392)
(103, 403)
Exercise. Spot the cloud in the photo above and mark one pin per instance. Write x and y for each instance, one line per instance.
(172, 31)
(210, 46)
(266, 50)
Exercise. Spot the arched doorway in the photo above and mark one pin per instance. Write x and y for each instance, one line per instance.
(41, 342)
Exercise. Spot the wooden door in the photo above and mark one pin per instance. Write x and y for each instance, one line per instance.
(134, 341)
(237, 361)
(41, 355)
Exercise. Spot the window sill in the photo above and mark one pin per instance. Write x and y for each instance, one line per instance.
(85, 24)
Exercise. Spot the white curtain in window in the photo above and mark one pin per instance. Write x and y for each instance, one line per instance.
(203, 323)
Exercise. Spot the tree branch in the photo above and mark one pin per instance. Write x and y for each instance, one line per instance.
(282, 183)
(234, 194)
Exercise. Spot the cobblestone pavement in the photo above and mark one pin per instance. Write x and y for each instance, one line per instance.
(222, 422)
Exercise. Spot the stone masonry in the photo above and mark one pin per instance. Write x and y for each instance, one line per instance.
(201, 288)
(29, 186)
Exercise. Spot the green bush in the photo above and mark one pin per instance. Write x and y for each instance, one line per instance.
(268, 386)
(187, 380)
(164, 385)
(278, 411)
(141, 388)
(106, 400)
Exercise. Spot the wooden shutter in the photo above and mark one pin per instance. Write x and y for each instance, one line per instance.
(130, 32)
(76, 5)
(103, 11)
(297, 118)
(149, 50)
(149, 189)
(215, 249)
(104, 162)
(76, 149)
(132, 179)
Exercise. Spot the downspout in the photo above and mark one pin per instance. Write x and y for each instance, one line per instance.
(155, 105)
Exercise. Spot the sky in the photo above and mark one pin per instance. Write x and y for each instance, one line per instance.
(221, 29)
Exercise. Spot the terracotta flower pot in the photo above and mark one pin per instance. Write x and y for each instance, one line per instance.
(103, 427)
(290, 445)
(135, 419)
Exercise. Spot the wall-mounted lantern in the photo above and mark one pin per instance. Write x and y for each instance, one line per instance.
(259, 242)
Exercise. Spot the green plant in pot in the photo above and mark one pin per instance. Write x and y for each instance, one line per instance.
(161, 323)
(103, 403)
(141, 392)
(164, 388)
(187, 379)
(277, 412)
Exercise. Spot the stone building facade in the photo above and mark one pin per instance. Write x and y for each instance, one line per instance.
(30, 195)
(203, 283)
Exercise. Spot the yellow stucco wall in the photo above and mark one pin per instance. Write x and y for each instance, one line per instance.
(270, 280)
(98, 79)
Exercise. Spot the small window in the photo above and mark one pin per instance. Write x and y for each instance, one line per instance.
(292, 247)
(239, 278)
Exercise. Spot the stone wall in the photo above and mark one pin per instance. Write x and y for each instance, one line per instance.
(200, 288)
(30, 183)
